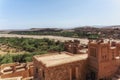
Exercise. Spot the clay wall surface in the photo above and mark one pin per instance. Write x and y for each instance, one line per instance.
(108, 69)
(38, 66)
(93, 59)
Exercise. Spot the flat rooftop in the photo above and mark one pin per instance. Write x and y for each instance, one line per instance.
(83, 51)
(58, 59)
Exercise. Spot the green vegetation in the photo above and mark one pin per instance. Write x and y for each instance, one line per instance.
(31, 46)
(65, 34)
(76, 34)
(94, 36)
(26, 57)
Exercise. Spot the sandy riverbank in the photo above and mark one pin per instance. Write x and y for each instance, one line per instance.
(83, 41)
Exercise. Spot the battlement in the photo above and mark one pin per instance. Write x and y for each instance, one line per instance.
(101, 42)
(104, 47)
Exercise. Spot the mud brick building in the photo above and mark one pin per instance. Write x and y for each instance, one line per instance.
(72, 46)
(75, 47)
(104, 60)
(100, 62)
(62, 66)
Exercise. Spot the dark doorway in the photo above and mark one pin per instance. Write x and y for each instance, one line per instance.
(74, 49)
(73, 74)
(91, 76)
(36, 73)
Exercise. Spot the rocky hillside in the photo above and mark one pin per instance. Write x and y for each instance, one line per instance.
(79, 32)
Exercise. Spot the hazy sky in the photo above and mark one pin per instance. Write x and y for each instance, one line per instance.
(22, 14)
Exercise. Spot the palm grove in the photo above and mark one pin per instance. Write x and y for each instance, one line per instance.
(30, 46)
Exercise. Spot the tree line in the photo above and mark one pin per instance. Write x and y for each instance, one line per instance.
(75, 34)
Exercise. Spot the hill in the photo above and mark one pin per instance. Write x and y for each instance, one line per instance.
(78, 32)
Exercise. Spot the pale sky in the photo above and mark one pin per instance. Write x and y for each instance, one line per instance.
(24, 14)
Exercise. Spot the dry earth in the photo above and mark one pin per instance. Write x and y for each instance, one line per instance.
(60, 38)
(83, 41)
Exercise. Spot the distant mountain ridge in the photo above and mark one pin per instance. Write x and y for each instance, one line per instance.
(112, 27)
(84, 28)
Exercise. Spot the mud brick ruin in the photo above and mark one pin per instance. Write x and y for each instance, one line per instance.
(16, 71)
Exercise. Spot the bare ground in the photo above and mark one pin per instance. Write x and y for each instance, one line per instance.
(60, 38)
(83, 41)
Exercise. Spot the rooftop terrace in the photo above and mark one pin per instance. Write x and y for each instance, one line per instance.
(58, 59)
